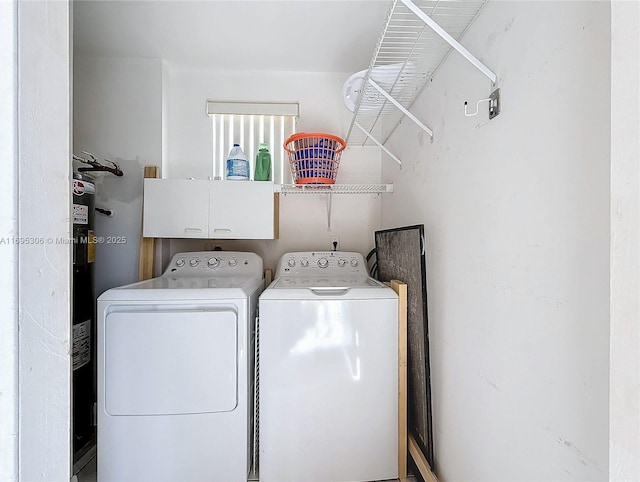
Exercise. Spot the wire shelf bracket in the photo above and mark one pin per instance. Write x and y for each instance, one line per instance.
(411, 48)
(450, 40)
(379, 144)
(401, 107)
(331, 189)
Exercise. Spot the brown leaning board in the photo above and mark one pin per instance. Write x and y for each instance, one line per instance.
(400, 255)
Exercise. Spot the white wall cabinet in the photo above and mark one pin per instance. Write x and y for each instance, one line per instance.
(182, 208)
(176, 208)
(241, 210)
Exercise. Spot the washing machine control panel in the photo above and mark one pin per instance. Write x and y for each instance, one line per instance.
(214, 263)
(314, 263)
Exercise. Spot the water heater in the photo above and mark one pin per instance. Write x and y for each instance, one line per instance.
(83, 315)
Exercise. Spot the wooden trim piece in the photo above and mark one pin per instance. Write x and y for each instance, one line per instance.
(147, 255)
(401, 289)
(421, 461)
(147, 245)
(276, 215)
(268, 277)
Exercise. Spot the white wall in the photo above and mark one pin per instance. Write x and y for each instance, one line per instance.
(44, 269)
(624, 451)
(303, 219)
(117, 115)
(8, 253)
(517, 219)
(516, 212)
(523, 396)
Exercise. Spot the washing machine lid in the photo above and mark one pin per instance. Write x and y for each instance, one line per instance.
(168, 288)
(326, 288)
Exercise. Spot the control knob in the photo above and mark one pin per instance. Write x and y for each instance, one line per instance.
(194, 262)
(341, 262)
(304, 263)
(323, 262)
(354, 262)
(180, 263)
(291, 263)
(233, 262)
(213, 263)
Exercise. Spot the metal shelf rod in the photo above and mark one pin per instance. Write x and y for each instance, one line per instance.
(379, 144)
(450, 40)
(402, 108)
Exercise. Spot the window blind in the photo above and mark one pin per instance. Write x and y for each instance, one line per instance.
(249, 124)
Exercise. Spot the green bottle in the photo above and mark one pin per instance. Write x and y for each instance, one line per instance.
(262, 172)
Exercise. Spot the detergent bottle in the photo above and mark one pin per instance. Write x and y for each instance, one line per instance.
(262, 171)
(237, 164)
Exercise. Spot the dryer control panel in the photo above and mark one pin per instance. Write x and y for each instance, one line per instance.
(322, 263)
(214, 263)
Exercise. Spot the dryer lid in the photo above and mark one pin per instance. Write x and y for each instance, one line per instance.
(166, 288)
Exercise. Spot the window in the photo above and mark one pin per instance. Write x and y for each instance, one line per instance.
(249, 124)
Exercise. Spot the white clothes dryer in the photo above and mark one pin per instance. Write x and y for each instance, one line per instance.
(328, 372)
(175, 371)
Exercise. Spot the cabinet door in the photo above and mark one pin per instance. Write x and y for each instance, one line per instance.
(176, 208)
(241, 210)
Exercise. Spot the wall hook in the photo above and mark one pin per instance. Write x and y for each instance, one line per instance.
(97, 165)
(494, 105)
(107, 212)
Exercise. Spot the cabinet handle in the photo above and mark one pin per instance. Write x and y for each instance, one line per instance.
(221, 230)
(192, 230)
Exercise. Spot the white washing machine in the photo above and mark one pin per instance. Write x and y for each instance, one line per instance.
(328, 372)
(175, 366)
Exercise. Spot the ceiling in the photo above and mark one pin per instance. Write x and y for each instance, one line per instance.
(235, 35)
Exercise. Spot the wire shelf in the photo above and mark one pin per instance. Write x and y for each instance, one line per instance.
(408, 54)
(334, 188)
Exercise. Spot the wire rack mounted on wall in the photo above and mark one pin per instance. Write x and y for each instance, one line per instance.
(333, 188)
(416, 38)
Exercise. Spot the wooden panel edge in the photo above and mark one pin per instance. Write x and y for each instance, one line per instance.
(276, 215)
(147, 245)
(401, 289)
(421, 461)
